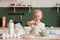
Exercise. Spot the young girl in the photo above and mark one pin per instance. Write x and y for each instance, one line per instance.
(36, 24)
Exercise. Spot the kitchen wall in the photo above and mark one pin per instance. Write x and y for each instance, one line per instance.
(50, 15)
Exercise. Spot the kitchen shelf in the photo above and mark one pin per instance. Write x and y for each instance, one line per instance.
(18, 6)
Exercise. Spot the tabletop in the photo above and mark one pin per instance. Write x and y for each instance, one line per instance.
(36, 37)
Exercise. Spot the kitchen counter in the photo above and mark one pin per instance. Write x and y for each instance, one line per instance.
(53, 28)
(48, 37)
(35, 37)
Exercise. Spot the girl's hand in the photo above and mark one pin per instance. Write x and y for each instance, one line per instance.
(29, 23)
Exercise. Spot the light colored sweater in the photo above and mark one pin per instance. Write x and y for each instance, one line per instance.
(35, 29)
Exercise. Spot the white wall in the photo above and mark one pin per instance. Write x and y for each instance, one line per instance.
(5, 3)
(35, 3)
(42, 3)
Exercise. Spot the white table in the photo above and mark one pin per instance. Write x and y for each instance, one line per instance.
(32, 37)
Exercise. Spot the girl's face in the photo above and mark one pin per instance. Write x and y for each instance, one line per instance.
(37, 16)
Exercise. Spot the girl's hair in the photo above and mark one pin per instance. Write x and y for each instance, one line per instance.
(37, 10)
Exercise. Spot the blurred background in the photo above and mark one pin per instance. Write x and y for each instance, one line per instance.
(21, 11)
